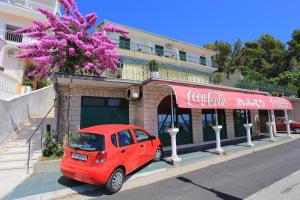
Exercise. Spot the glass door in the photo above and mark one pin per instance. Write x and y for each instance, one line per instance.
(182, 120)
(239, 119)
(209, 120)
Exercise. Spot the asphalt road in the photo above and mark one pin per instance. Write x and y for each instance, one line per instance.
(234, 179)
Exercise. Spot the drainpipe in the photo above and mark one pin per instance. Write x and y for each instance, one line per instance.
(57, 105)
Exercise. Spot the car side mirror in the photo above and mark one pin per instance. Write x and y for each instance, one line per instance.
(152, 137)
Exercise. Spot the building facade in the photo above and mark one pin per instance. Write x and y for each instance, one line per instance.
(131, 95)
(15, 14)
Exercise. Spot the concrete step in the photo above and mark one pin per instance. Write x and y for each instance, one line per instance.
(14, 166)
(20, 157)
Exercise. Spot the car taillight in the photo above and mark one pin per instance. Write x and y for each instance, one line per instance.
(101, 157)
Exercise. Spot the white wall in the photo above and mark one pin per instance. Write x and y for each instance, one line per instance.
(14, 112)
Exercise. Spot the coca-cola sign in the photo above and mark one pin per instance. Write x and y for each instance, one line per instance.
(192, 97)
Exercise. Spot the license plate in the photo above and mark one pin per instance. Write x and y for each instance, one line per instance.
(78, 156)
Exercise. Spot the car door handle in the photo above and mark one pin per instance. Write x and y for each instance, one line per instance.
(123, 151)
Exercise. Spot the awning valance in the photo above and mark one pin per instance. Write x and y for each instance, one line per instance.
(197, 97)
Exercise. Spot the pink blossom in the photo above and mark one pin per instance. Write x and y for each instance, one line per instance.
(63, 37)
(87, 53)
(72, 51)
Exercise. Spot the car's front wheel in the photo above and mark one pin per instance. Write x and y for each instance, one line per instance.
(115, 181)
(158, 154)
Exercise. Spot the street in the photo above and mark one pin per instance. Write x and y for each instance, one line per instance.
(235, 179)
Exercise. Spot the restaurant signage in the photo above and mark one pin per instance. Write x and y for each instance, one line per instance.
(197, 97)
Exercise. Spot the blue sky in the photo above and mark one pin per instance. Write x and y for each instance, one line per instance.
(202, 21)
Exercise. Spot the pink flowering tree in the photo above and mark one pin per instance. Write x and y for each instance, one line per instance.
(64, 43)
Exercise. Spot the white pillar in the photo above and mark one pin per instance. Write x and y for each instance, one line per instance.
(248, 130)
(287, 124)
(274, 122)
(217, 130)
(173, 132)
(270, 127)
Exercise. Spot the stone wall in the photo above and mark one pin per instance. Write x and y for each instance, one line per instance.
(229, 124)
(255, 122)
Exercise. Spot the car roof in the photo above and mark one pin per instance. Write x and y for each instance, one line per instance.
(107, 128)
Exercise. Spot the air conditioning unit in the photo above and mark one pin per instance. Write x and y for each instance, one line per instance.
(133, 92)
(169, 46)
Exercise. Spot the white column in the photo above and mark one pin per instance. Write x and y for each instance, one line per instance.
(217, 130)
(287, 124)
(274, 122)
(270, 127)
(173, 132)
(248, 130)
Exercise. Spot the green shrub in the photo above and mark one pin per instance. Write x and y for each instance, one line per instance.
(153, 66)
(218, 77)
(51, 147)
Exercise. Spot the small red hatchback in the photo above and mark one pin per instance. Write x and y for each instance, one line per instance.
(105, 154)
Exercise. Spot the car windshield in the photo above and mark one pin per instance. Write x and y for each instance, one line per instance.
(86, 141)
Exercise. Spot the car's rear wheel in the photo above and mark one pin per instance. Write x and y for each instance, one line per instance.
(297, 130)
(158, 154)
(115, 181)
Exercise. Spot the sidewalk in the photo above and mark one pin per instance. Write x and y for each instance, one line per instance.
(49, 185)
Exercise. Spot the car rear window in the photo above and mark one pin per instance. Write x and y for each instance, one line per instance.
(86, 141)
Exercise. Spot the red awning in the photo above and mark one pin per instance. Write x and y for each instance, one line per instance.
(196, 97)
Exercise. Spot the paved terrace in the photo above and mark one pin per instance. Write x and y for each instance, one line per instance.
(52, 184)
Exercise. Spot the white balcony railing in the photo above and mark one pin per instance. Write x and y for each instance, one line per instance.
(8, 83)
(31, 5)
(11, 36)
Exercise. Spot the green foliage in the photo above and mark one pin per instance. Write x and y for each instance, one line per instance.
(264, 59)
(27, 81)
(44, 83)
(153, 66)
(217, 77)
(51, 147)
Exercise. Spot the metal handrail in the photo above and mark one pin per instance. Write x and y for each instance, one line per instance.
(137, 47)
(34, 132)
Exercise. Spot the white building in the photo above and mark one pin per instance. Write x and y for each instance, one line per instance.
(15, 14)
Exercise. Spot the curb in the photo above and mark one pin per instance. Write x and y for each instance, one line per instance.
(153, 176)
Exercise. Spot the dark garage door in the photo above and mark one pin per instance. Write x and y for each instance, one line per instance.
(102, 110)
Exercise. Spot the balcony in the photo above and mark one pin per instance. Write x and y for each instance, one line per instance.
(11, 36)
(31, 5)
(162, 53)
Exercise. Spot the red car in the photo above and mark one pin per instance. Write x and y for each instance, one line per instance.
(105, 154)
(280, 125)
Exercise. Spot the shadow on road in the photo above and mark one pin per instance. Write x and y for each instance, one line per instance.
(218, 193)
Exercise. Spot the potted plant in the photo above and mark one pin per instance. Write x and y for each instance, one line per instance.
(153, 68)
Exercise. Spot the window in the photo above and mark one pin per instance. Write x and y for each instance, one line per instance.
(159, 50)
(87, 141)
(125, 138)
(113, 138)
(124, 43)
(202, 60)
(10, 35)
(141, 135)
(182, 55)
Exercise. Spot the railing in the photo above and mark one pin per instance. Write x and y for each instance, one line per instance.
(8, 83)
(159, 52)
(11, 36)
(29, 140)
(31, 5)
(266, 87)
